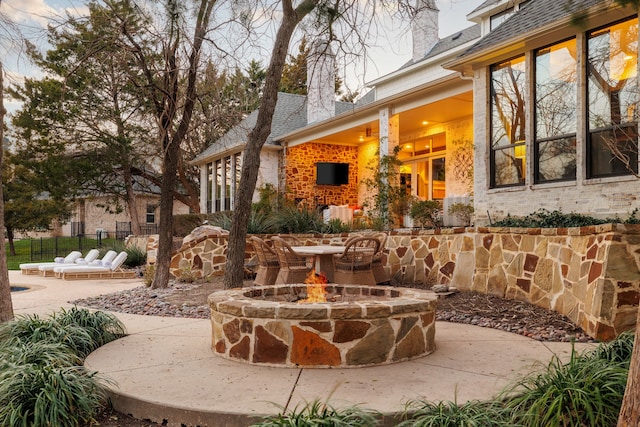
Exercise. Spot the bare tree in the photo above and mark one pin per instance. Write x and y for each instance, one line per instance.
(6, 305)
(348, 23)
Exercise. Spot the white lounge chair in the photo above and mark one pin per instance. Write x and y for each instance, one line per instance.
(32, 267)
(92, 256)
(105, 271)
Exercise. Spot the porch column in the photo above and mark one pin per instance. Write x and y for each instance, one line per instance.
(389, 131)
(203, 188)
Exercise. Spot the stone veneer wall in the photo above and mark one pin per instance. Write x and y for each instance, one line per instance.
(590, 274)
(300, 173)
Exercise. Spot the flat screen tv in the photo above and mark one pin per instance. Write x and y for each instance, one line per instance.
(332, 173)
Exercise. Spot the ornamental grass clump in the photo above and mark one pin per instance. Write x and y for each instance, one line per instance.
(42, 380)
(585, 391)
(321, 414)
(473, 413)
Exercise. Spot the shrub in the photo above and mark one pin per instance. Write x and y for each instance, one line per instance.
(462, 211)
(321, 414)
(292, 220)
(48, 395)
(583, 391)
(426, 213)
(135, 256)
(543, 218)
(450, 414)
(41, 380)
(80, 330)
(335, 226)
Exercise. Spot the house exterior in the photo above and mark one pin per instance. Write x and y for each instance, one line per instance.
(551, 97)
(513, 114)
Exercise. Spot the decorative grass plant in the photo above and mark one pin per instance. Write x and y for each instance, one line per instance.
(320, 414)
(42, 380)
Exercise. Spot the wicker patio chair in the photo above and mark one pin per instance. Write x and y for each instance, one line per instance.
(379, 271)
(268, 263)
(353, 266)
(294, 268)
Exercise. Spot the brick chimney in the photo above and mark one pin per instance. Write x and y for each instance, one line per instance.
(321, 99)
(424, 28)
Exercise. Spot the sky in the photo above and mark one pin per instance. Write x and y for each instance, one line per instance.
(387, 54)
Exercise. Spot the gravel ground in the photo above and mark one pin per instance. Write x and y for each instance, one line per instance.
(190, 301)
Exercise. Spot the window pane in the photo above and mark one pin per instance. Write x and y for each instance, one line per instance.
(557, 159)
(509, 164)
(507, 102)
(613, 94)
(556, 89)
(602, 160)
(612, 70)
(508, 152)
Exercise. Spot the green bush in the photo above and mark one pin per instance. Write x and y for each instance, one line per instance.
(543, 218)
(135, 256)
(450, 414)
(34, 395)
(42, 382)
(426, 213)
(585, 391)
(290, 220)
(336, 226)
(320, 414)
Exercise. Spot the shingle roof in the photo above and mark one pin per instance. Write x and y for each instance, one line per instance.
(290, 114)
(533, 15)
(448, 43)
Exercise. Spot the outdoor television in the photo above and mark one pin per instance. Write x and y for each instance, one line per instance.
(332, 173)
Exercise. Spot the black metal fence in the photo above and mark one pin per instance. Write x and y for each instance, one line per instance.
(123, 229)
(48, 248)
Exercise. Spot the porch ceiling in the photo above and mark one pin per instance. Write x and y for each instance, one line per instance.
(411, 120)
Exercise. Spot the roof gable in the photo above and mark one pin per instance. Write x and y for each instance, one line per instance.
(290, 114)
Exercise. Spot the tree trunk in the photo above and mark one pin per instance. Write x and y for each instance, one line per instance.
(6, 305)
(630, 410)
(10, 238)
(234, 269)
(131, 201)
(171, 141)
(165, 226)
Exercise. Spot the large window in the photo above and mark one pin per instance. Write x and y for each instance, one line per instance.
(508, 152)
(556, 112)
(612, 147)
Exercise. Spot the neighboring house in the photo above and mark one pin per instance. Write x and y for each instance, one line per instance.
(466, 110)
(100, 216)
(549, 97)
(96, 214)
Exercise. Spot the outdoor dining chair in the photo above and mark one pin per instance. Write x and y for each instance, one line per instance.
(353, 266)
(379, 271)
(294, 268)
(268, 263)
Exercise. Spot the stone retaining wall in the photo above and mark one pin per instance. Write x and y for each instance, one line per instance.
(590, 274)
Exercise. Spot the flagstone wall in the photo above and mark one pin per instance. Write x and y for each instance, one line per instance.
(300, 173)
(590, 274)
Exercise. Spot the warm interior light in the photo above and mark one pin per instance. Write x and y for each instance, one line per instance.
(424, 122)
(361, 138)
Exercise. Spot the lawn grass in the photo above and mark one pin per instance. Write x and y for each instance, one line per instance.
(53, 247)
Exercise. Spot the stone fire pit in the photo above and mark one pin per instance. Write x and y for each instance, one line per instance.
(359, 326)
